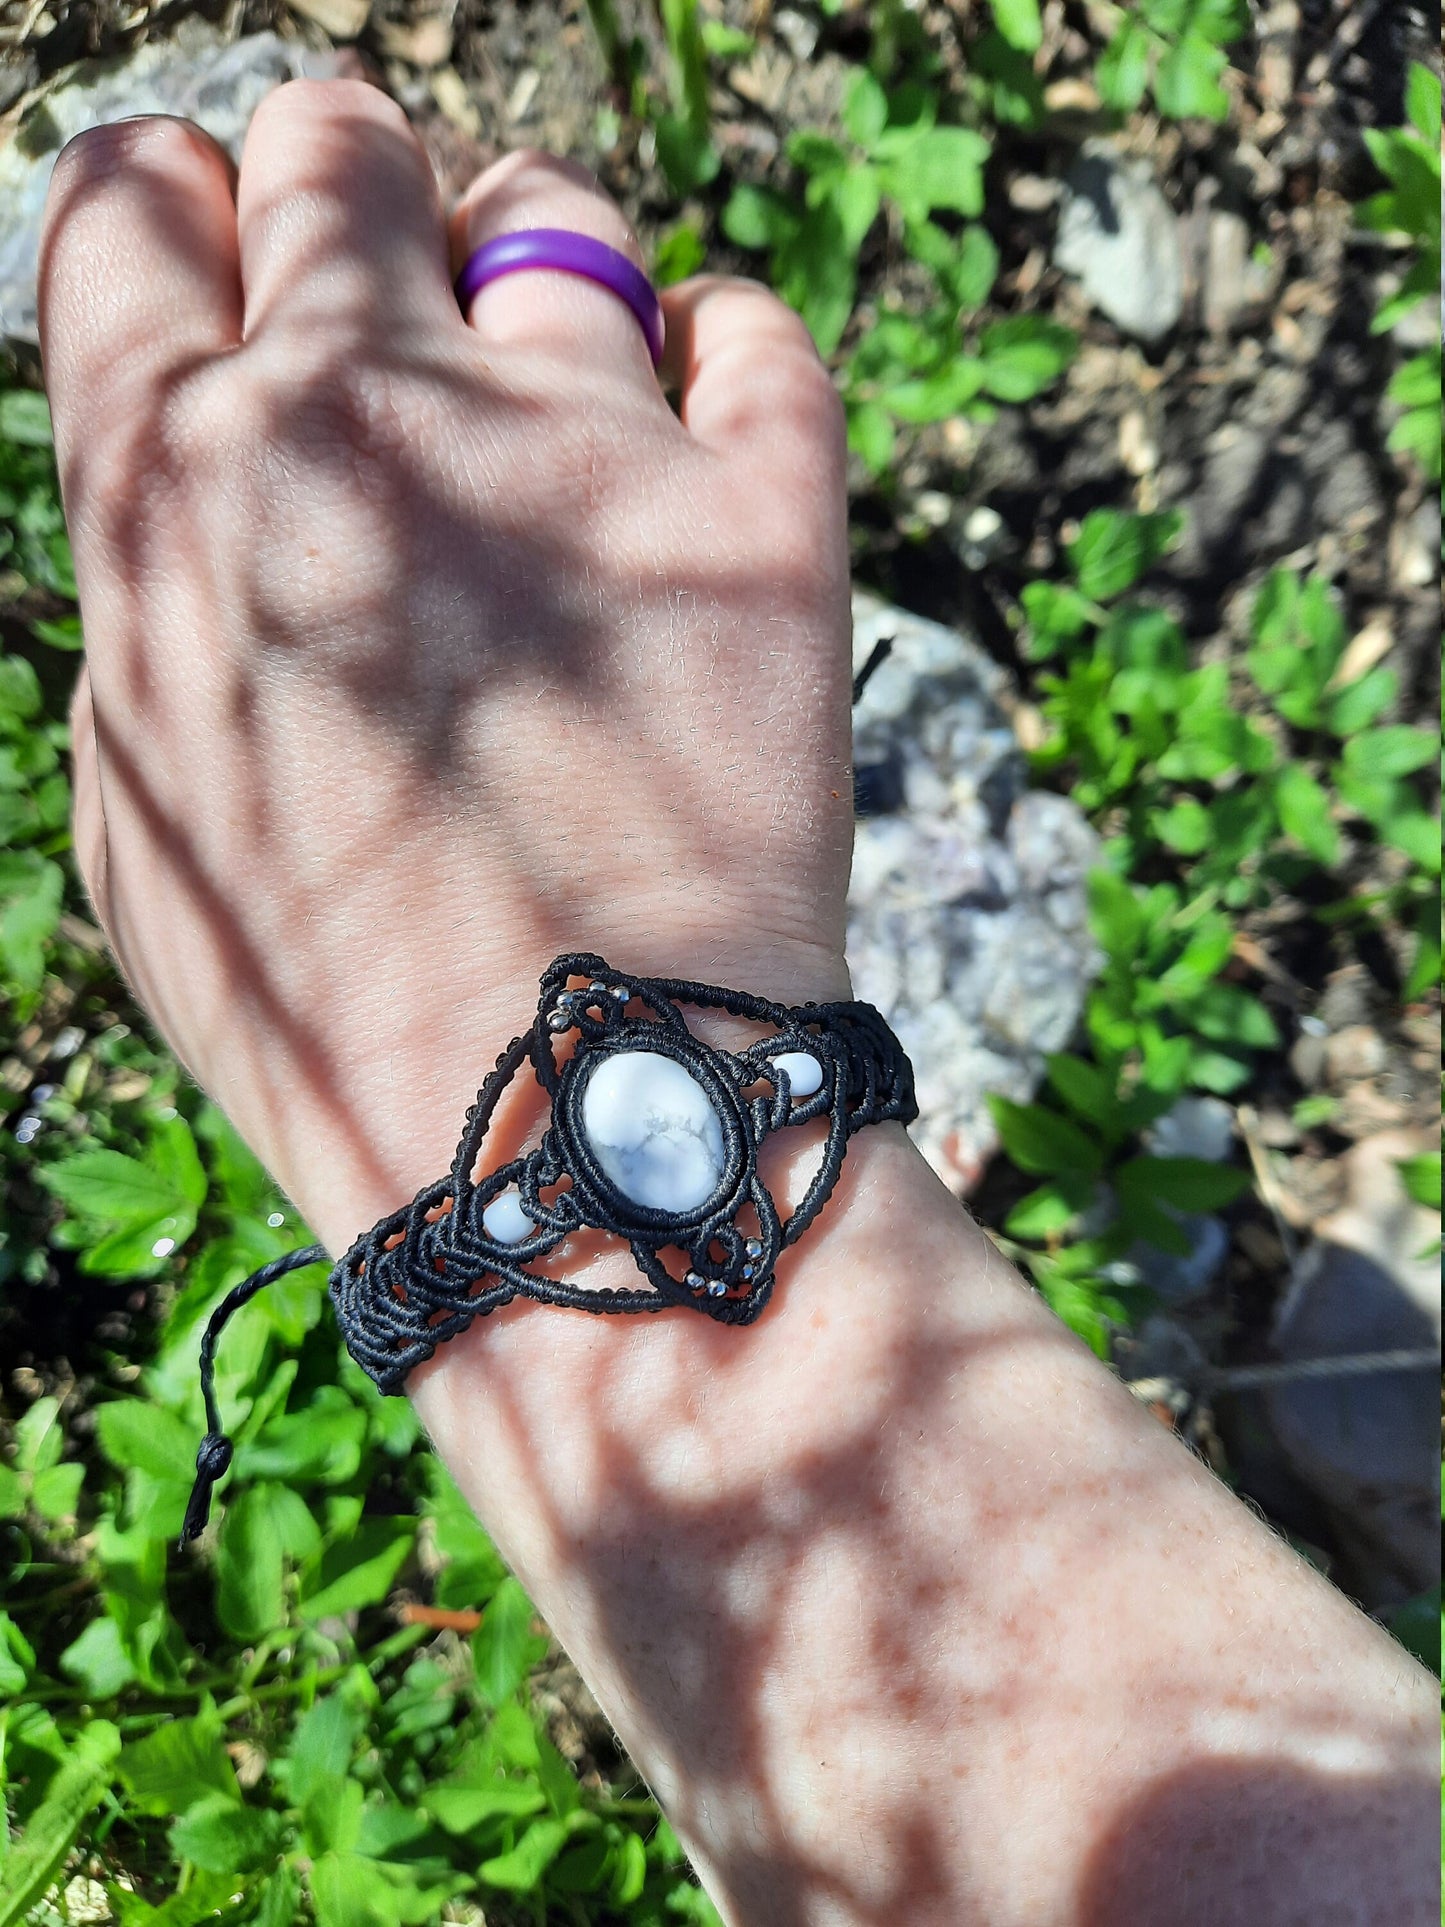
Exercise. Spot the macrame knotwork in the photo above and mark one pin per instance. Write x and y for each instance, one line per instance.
(420, 1277)
(653, 1137)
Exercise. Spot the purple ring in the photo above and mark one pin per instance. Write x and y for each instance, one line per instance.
(565, 252)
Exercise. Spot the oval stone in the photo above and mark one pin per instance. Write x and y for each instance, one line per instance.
(653, 1129)
(505, 1220)
(805, 1073)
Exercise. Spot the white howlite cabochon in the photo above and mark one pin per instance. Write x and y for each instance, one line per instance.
(653, 1130)
(805, 1073)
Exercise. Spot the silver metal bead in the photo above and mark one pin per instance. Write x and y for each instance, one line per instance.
(696, 1282)
(753, 1248)
(559, 1020)
(596, 990)
(716, 1288)
(750, 1271)
(621, 993)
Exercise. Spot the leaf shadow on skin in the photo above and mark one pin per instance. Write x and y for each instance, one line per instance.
(312, 765)
(695, 1556)
(1203, 1846)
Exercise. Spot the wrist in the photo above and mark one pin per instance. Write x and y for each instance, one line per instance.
(410, 1082)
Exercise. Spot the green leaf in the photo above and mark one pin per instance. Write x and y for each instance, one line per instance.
(1186, 81)
(504, 1647)
(687, 156)
(1189, 1184)
(137, 1432)
(1043, 1213)
(1083, 1087)
(250, 1599)
(971, 275)
(1112, 550)
(1357, 705)
(17, 1657)
(168, 1769)
(940, 168)
(350, 1890)
(1022, 356)
(1304, 813)
(461, 1806)
(1116, 916)
(1039, 1140)
(519, 1870)
(1184, 827)
(98, 1661)
(1057, 613)
(1122, 72)
(39, 1436)
(25, 418)
(321, 1747)
(221, 1836)
(865, 108)
(679, 252)
(1019, 23)
(359, 1570)
(53, 1829)
(1228, 1015)
(816, 272)
(472, 1569)
(754, 218)
(1422, 101)
(20, 697)
(1398, 751)
(870, 434)
(56, 1491)
(319, 1444)
(1421, 1175)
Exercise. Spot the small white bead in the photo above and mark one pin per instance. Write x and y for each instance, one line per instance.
(506, 1221)
(805, 1073)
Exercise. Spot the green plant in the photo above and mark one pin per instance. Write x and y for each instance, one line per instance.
(898, 159)
(1409, 159)
(1176, 48)
(1163, 752)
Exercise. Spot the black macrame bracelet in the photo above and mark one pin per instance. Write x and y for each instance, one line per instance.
(653, 1136)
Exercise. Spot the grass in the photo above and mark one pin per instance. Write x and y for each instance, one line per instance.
(259, 1733)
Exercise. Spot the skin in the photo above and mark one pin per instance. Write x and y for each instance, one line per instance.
(422, 648)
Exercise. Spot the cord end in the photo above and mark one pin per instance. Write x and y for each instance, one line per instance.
(212, 1462)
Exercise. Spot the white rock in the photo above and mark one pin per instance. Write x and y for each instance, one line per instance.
(506, 1221)
(654, 1131)
(805, 1073)
(1120, 236)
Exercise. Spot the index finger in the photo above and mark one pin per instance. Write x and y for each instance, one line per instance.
(139, 269)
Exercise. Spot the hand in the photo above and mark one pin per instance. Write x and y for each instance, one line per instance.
(420, 647)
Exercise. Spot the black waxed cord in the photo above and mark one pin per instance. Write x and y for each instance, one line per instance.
(877, 656)
(214, 1458)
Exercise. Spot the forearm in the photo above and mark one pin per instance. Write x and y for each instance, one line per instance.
(907, 1612)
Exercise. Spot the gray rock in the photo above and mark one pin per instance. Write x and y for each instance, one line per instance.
(1120, 236)
(1194, 1127)
(1369, 1445)
(198, 76)
(1179, 1278)
(967, 917)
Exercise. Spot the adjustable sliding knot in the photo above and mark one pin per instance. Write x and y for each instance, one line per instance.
(213, 1461)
